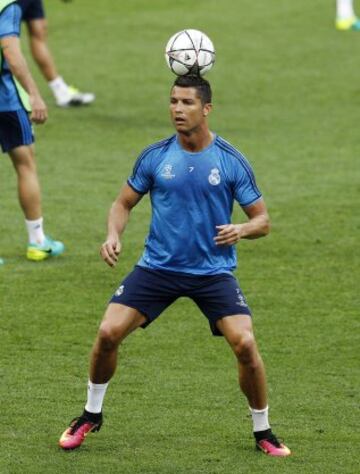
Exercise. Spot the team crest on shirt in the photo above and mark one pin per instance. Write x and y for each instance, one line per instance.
(167, 172)
(214, 177)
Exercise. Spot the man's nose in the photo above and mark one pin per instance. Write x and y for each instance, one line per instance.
(178, 107)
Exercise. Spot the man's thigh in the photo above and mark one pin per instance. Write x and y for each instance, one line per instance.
(220, 296)
(235, 327)
(120, 320)
(148, 291)
(38, 29)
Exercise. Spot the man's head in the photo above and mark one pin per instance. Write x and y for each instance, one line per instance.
(190, 103)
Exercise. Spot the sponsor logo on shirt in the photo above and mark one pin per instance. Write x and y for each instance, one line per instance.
(214, 177)
(167, 172)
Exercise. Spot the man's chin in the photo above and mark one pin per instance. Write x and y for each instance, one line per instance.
(182, 128)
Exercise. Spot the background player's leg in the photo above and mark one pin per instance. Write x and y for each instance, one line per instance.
(28, 183)
(63, 93)
(345, 16)
(344, 9)
(40, 246)
(39, 48)
(239, 334)
(42, 55)
(118, 322)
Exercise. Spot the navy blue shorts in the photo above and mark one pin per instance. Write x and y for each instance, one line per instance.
(32, 9)
(15, 130)
(152, 291)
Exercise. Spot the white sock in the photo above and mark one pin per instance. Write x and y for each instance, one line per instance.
(260, 419)
(59, 88)
(344, 9)
(95, 396)
(35, 231)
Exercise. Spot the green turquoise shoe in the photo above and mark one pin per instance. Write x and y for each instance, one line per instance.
(50, 248)
(351, 24)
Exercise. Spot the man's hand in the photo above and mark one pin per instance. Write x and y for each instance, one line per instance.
(110, 250)
(228, 234)
(39, 113)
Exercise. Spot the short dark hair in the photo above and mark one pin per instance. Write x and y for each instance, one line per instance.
(201, 85)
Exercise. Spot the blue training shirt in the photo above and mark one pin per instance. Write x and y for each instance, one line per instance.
(10, 20)
(191, 193)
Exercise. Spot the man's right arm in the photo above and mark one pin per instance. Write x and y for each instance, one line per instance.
(10, 46)
(117, 220)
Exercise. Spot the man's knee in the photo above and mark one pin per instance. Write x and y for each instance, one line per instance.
(38, 30)
(245, 349)
(23, 159)
(109, 337)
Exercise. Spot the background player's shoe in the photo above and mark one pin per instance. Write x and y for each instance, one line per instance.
(269, 444)
(79, 428)
(351, 24)
(74, 97)
(50, 248)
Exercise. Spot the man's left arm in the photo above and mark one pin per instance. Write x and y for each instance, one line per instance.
(11, 50)
(10, 47)
(258, 225)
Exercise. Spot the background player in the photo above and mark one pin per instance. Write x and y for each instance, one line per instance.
(16, 137)
(345, 16)
(193, 177)
(33, 14)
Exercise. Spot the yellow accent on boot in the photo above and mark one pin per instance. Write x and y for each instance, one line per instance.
(49, 248)
(345, 25)
(37, 255)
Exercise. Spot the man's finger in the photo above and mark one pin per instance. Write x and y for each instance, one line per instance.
(224, 232)
(38, 117)
(229, 238)
(108, 259)
(223, 240)
(221, 228)
(111, 253)
(226, 242)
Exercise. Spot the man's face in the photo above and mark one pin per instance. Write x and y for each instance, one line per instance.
(186, 109)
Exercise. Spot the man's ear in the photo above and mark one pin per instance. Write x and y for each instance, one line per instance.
(207, 109)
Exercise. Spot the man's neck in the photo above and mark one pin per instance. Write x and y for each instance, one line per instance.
(195, 141)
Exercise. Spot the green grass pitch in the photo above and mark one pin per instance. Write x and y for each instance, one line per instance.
(287, 94)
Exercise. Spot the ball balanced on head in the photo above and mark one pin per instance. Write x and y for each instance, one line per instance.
(190, 52)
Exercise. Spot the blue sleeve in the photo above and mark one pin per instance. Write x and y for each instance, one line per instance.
(246, 191)
(141, 179)
(10, 20)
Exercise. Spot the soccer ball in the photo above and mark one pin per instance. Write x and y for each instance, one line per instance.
(190, 52)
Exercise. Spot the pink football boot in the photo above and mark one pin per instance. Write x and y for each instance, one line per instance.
(75, 434)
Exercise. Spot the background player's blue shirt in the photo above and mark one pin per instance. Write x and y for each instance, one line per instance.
(191, 193)
(10, 20)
